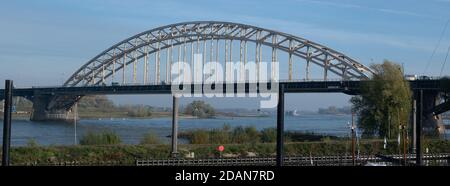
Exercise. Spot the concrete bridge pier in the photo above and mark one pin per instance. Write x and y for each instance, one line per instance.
(424, 122)
(41, 112)
(427, 100)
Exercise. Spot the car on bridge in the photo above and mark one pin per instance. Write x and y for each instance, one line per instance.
(410, 77)
(424, 78)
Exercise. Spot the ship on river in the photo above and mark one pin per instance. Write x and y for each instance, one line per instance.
(293, 113)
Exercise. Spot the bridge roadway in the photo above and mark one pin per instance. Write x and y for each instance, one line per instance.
(347, 87)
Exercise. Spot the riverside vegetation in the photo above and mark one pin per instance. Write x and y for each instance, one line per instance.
(104, 147)
(100, 106)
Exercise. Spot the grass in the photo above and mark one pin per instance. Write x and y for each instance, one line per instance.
(104, 138)
(128, 154)
(242, 135)
(150, 138)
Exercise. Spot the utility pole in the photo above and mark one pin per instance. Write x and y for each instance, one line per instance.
(7, 122)
(75, 117)
(280, 126)
(419, 128)
(414, 124)
(174, 127)
(405, 142)
(353, 141)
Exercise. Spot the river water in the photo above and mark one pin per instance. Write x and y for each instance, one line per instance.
(132, 130)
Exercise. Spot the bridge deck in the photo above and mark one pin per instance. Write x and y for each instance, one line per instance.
(347, 87)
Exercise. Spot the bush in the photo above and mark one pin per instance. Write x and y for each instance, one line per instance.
(245, 135)
(297, 136)
(150, 138)
(200, 109)
(253, 135)
(199, 137)
(32, 143)
(239, 135)
(104, 138)
(218, 136)
(269, 135)
(139, 111)
(249, 135)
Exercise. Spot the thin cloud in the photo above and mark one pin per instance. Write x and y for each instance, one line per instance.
(311, 32)
(334, 4)
(357, 6)
(399, 12)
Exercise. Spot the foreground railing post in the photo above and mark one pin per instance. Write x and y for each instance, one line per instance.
(280, 126)
(418, 131)
(7, 122)
(174, 127)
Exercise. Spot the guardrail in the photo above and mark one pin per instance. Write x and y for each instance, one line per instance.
(218, 82)
(429, 159)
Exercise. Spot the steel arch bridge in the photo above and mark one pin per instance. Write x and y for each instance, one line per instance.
(298, 60)
(214, 40)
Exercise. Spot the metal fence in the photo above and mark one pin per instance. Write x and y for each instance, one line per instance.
(428, 160)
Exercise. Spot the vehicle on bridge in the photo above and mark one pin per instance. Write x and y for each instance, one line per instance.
(411, 77)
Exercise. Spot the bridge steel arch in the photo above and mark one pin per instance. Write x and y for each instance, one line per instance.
(130, 50)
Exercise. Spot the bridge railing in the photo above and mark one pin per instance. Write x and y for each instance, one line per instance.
(218, 82)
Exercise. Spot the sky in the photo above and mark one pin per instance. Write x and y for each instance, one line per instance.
(43, 42)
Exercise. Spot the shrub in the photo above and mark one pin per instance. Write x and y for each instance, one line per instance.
(200, 109)
(150, 138)
(239, 135)
(218, 136)
(252, 135)
(104, 138)
(269, 135)
(32, 142)
(200, 137)
(245, 135)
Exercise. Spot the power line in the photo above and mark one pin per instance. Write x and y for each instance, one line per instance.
(436, 47)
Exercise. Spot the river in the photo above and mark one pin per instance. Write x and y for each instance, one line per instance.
(132, 130)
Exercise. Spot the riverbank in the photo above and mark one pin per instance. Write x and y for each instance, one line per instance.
(121, 114)
(128, 154)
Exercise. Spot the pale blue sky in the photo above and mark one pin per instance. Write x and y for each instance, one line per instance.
(43, 42)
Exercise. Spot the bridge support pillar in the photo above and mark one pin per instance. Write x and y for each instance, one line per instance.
(41, 113)
(280, 126)
(174, 152)
(431, 125)
(425, 123)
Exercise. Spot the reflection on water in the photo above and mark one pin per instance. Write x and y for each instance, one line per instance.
(132, 130)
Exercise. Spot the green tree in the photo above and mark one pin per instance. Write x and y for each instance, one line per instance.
(97, 101)
(200, 109)
(139, 111)
(385, 101)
